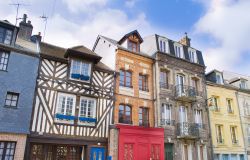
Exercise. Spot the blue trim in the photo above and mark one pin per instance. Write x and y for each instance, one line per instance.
(84, 77)
(86, 119)
(76, 76)
(67, 117)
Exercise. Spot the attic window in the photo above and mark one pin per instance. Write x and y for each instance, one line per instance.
(80, 70)
(133, 46)
(243, 84)
(219, 78)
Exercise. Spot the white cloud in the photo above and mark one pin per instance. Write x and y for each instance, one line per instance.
(228, 22)
(76, 6)
(130, 3)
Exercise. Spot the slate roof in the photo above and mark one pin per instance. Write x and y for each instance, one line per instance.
(59, 52)
(116, 43)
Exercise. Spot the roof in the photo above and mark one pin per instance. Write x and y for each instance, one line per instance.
(59, 52)
(114, 42)
(131, 33)
(214, 70)
(6, 22)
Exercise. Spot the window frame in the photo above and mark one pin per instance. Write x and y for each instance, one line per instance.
(66, 95)
(80, 71)
(145, 116)
(125, 79)
(5, 60)
(11, 100)
(5, 30)
(124, 114)
(243, 84)
(4, 149)
(192, 55)
(143, 82)
(234, 137)
(229, 102)
(178, 49)
(93, 110)
(164, 84)
(133, 45)
(219, 134)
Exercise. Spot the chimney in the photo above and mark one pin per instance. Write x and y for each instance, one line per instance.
(36, 38)
(25, 29)
(185, 40)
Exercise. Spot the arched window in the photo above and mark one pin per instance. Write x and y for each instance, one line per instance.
(125, 114)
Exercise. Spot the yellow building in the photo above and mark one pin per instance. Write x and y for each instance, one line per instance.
(226, 130)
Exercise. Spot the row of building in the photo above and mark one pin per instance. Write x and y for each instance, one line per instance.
(133, 99)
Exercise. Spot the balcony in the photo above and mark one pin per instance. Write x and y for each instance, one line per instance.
(187, 130)
(185, 93)
(167, 122)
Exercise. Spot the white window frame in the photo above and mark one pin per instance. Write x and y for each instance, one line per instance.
(248, 134)
(58, 108)
(167, 109)
(81, 67)
(221, 79)
(198, 116)
(178, 52)
(161, 41)
(243, 84)
(183, 114)
(86, 112)
(192, 55)
(4, 60)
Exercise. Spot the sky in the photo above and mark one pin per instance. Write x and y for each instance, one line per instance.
(219, 28)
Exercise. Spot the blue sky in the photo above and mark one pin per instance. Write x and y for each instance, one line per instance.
(219, 28)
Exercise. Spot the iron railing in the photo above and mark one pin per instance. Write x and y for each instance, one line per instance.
(186, 129)
(200, 125)
(185, 91)
(167, 122)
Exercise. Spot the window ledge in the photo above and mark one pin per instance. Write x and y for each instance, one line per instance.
(11, 107)
(144, 94)
(64, 121)
(126, 91)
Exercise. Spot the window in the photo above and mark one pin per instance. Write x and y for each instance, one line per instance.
(163, 46)
(192, 56)
(133, 46)
(7, 150)
(178, 51)
(5, 36)
(166, 114)
(87, 107)
(229, 105)
(198, 117)
(243, 84)
(219, 78)
(125, 78)
(183, 114)
(219, 134)
(125, 114)
(66, 104)
(233, 134)
(143, 82)
(195, 85)
(180, 80)
(246, 109)
(4, 58)
(80, 70)
(11, 99)
(164, 79)
(143, 117)
(248, 134)
(215, 103)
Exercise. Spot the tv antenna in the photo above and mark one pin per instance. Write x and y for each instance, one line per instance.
(17, 9)
(45, 18)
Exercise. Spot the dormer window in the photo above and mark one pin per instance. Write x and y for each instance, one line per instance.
(5, 35)
(133, 46)
(80, 70)
(178, 51)
(219, 78)
(192, 55)
(243, 84)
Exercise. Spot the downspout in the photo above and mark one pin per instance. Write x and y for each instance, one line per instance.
(241, 124)
(155, 69)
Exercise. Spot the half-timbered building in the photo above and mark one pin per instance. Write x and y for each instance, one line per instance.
(73, 105)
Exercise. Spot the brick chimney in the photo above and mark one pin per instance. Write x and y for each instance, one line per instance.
(185, 40)
(25, 29)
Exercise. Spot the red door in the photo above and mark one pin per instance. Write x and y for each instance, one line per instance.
(143, 152)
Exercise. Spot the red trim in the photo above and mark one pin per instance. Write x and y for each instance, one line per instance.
(142, 140)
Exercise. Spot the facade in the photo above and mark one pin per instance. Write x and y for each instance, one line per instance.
(180, 95)
(242, 83)
(18, 72)
(226, 128)
(73, 105)
(133, 131)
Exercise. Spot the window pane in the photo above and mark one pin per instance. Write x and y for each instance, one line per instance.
(85, 69)
(76, 65)
(122, 83)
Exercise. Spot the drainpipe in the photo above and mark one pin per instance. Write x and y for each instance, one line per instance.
(241, 124)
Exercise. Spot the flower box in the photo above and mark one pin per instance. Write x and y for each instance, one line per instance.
(87, 119)
(65, 117)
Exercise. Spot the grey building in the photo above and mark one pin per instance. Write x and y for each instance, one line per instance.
(180, 93)
(18, 72)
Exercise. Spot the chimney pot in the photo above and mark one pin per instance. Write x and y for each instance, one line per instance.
(29, 22)
(39, 33)
(185, 40)
(24, 17)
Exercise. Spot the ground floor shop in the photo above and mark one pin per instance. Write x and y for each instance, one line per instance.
(41, 148)
(12, 146)
(136, 143)
(230, 156)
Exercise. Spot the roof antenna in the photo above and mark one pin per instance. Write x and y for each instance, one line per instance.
(17, 9)
(45, 18)
(186, 34)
